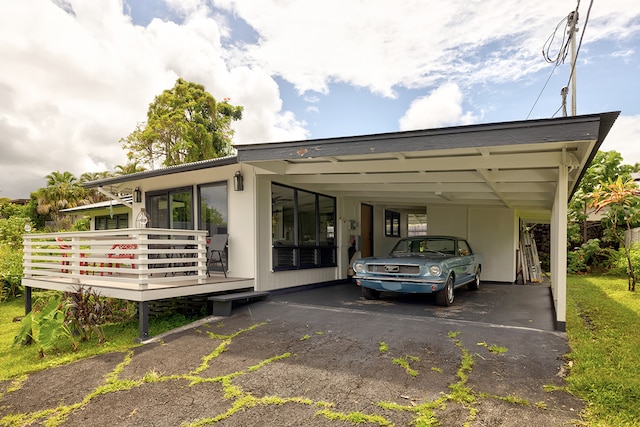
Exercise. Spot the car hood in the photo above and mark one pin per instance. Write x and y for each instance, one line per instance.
(420, 258)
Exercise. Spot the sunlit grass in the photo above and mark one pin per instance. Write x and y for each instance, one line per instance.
(603, 325)
(20, 360)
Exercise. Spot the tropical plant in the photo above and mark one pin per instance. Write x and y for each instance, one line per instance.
(184, 124)
(45, 327)
(622, 199)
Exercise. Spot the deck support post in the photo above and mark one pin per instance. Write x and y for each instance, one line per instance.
(143, 316)
(27, 300)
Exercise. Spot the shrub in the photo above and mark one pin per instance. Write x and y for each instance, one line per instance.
(590, 257)
(619, 260)
(10, 272)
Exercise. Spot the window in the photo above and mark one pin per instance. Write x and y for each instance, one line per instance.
(417, 225)
(112, 222)
(302, 228)
(391, 223)
(171, 209)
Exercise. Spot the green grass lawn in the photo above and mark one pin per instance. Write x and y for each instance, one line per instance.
(603, 326)
(20, 360)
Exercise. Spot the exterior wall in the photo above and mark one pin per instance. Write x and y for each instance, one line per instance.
(490, 231)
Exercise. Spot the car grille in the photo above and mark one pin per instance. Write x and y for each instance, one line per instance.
(393, 269)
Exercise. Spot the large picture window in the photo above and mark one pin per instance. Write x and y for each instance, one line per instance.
(303, 228)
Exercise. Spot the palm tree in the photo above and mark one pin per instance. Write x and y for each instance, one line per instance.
(129, 168)
(63, 191)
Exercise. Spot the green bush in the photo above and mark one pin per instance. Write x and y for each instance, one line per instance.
(590, 257)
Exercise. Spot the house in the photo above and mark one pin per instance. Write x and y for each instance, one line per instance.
(292, 209)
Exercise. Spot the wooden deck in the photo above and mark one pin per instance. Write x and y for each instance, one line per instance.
(136, 264)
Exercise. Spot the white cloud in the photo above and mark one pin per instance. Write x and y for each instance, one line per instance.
(442, 107)
(78, 76)
(382, 45)
(624, 138)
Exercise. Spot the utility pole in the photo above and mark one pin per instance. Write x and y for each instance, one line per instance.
(573, 30)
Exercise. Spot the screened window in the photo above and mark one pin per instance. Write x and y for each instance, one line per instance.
(171, 209)
(112, 222)
(302, 228)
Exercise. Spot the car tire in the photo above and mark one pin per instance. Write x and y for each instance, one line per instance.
(475, 285)
(446, 296)
(370, 293)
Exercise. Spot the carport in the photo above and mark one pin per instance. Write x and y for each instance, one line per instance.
(478, 181)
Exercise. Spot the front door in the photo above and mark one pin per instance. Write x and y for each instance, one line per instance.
(366, 230)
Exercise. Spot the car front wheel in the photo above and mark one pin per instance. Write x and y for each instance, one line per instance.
(445, 297)
(370, 293)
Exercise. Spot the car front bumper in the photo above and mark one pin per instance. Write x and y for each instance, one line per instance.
(401, 286)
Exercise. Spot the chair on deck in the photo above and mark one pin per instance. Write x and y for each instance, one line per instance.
(215, 250)
(62, 244)
(118, 247)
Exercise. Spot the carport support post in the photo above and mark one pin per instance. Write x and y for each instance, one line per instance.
(143, 316)
(559, 249)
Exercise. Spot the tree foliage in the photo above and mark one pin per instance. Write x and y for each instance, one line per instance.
(606, 166)
(184, 124)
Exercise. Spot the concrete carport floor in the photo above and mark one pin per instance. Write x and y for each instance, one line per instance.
(500, 304)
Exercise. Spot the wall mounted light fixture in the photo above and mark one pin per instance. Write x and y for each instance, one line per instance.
(238, 181)
(137, 195)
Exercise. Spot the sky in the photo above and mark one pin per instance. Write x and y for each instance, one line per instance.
(77, 76)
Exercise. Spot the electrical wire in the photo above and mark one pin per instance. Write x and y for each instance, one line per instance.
(563, 50)
(584, 29)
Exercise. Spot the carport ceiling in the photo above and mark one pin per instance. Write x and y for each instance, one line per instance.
(512, 164)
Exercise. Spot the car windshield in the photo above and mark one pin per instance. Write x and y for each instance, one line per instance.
(425, 245)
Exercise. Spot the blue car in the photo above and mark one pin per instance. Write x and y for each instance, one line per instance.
(425, 265)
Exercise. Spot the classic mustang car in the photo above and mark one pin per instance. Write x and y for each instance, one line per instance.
(426, 264)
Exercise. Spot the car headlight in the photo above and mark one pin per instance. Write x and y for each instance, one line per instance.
(435, 270)
(358, 267)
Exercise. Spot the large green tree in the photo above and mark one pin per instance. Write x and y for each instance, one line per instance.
(184, 124)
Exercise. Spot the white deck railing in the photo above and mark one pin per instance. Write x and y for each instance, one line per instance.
(134, 255)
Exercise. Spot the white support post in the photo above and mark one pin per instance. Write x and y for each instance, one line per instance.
(559, 249)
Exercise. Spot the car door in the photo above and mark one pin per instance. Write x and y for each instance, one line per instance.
(466, 260)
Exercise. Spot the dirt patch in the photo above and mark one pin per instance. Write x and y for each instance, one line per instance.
(277, 364)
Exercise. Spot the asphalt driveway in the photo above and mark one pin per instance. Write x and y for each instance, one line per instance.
(325, 357)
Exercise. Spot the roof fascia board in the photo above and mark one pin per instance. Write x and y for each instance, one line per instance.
(576, 128)
(188, 167)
